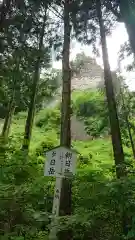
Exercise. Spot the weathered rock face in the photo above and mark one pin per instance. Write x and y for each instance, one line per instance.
(78, 131)
(85, 83)
(90, 76)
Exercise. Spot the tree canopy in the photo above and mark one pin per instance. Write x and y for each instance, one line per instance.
(98, 202)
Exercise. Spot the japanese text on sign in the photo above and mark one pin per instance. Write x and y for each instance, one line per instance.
(59, 161)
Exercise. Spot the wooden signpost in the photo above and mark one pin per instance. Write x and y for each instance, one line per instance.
(60, 163)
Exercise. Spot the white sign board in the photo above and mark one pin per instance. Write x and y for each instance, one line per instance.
(60, 160)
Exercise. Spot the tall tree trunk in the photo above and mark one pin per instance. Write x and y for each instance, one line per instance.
(130, 134)
(113, 116)
(4, 9)
(8, 119)
(31, 110)
(128, 124)
(11, 106)
(65, 139)
(132, 126)
(128, 16)
(114, 122)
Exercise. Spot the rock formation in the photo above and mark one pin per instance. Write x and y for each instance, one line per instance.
(86, 74)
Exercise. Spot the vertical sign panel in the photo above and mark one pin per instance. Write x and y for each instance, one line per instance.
(69, 161)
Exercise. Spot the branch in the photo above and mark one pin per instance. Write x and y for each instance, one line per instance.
(55, 12)
(109, 6)
(4, 9)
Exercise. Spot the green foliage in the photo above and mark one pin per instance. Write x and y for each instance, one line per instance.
(46, 143)
(26, 195)
(47, 85)
(48, 119)
(20, 115)
(92, 108)
(78, 63)
(98, 199)
(20, 52)
(101, 219)
(23, 204)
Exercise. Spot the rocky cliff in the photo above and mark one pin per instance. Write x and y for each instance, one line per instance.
(89, 76)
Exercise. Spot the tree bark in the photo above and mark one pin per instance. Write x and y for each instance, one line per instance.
(4, 9)
(130, 135)
(113, 116)
(128, 124)
(65, 138)
(31, 110)
(128, 16)
(8, 119)
(12, 105)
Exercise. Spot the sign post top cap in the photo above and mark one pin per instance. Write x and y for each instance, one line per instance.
(60, 147)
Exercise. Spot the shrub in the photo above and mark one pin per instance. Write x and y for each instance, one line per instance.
(48, 117)
(91, 107)
(46, 143)
(24, 209)
(21, 115)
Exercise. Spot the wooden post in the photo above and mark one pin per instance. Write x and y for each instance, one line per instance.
(55, 209)
(65, 139)
(60, 163)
